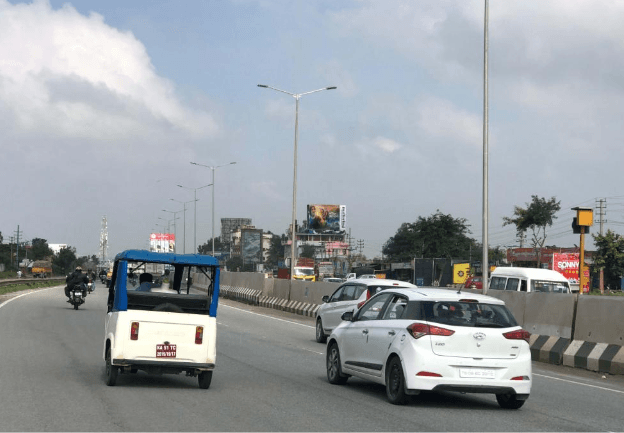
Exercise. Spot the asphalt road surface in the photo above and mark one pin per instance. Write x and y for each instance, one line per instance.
(270, 376)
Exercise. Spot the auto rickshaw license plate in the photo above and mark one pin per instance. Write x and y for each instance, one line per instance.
(165, 351)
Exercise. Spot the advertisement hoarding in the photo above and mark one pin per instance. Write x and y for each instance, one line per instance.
(461, 272)
(324, 218)
(251, 245)
(162, 242)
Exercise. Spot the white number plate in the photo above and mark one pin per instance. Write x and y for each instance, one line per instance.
(482, 373)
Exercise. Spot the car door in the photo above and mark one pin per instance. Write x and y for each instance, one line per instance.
(356, 335)
(331, 316)
(383, 331)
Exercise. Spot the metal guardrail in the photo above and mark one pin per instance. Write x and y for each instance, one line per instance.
(11, 281)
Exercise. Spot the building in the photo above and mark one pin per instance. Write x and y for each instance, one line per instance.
(230, 225)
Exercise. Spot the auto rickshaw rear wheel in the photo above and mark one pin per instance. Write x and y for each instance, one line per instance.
(111, 370)
(205, 377)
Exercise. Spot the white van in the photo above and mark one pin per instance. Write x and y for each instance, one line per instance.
(529, 280)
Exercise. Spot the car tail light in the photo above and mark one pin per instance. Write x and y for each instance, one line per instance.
(520, 378)
(134, 331)
(199, 334)
(428, 374)
(418, 330)
(520, 334)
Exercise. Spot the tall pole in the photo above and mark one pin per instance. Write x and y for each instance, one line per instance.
(293, 243)
(213, 193)
(195, 225)
(485, 262)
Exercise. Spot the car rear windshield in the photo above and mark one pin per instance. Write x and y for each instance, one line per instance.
(549, 286)
(474, 314)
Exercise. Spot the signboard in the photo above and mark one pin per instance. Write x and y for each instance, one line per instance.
(251, 245)
(461, 272)
(162, 242)
(327, 218)
(567, 264)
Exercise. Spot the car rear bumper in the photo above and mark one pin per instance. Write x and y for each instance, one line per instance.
(138, 363)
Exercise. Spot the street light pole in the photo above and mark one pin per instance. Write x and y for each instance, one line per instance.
(485, 263)
(195, 216)
(184, 205)
(213, 195)
(293, 241)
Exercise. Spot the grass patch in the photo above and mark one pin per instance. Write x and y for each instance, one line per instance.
(607, 293)
(18, 287)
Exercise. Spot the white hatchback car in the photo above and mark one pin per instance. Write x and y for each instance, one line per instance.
(414, 340)
(349, 297)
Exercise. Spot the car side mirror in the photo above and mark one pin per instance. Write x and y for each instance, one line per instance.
(325, 298)
(347, 316)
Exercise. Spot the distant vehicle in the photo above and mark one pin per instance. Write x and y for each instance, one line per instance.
(415, 340)
(41, 269)
(348, 297)
(528, 280)
(474, 283)
(333, 280)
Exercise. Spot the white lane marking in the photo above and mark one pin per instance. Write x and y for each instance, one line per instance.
(318, 353)
(269, 317)
(24, 294)
(579, 383)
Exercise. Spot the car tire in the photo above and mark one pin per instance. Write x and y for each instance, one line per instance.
(509, 401)
(204, 379)
(395, 382)
(111, 370)
(320, 334)
(334, 371)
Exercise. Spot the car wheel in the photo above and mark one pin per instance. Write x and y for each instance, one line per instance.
(111, 370)
(334, 372)
(320, 334)
(395, 382)
(205, 377)
(509, 401)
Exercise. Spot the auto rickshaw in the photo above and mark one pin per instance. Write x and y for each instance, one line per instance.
(168, 327)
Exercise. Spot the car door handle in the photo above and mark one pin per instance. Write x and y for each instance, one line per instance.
(365, 331)
(391, 333)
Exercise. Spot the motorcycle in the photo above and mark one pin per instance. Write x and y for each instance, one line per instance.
(77, 295)
(90, 287)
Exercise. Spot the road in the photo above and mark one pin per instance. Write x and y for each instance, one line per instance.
(270, 376)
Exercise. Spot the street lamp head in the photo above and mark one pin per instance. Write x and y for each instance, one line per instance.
(331, 88)
(263, 85)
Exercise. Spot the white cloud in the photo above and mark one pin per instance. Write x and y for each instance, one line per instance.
(267, 189)
(372, 147)
(69, 75)
(442, 119)
(387, 145)
(337, 76)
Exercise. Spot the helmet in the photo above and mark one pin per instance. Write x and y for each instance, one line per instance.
(78, 268)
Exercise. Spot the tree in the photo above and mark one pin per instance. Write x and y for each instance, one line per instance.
(610, 256)
(206, 249)
(276, 252)
(40, 250)
(436, 236)
(308, 251)
(64, 261)
(536, 216)
(235, 264)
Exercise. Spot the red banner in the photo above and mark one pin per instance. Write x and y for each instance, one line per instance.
(567, 264)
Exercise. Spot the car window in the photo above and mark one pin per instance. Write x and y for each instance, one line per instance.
(348, 293)
(396, 308)
(549, 286)
(523, 285)
(358, 291)
(336, 296)
(372, 309)
(471, 314)
(512, 284)
(498, 283)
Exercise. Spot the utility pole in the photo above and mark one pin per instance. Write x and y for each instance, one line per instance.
(360, 245)
(17, 248)
(602, 221)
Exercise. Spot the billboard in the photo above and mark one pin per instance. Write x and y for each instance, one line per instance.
(327, 218)
(251, 245)
(461, 272)
(567, 264)
(162, 242)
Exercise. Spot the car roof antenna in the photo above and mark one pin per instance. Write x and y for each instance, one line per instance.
(459, 290)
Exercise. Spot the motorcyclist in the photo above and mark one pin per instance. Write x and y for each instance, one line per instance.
(76, 277)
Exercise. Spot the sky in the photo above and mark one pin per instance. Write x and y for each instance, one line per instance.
(104, 105)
